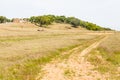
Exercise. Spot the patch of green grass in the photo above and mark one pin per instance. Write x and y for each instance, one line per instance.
(103, 69)
(69, 73)
(112, 57)
(105, 62)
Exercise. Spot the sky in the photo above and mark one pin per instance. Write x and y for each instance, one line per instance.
(105, 13)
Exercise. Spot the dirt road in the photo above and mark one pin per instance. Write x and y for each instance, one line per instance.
(73, 68)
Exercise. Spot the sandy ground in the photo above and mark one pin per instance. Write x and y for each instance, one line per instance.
(73, 68)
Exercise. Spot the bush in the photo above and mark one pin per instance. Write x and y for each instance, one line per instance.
(60, 19)
(3, 19)
(42, 20)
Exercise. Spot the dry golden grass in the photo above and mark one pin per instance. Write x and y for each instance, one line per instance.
(58, 26)
(21, 48)
(112, 44)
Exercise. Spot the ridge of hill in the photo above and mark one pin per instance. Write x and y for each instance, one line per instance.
(45, 20)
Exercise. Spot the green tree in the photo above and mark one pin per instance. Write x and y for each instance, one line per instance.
(32, 19)
(73, 21)
(60, 19)
(42, 20)
(3, 19)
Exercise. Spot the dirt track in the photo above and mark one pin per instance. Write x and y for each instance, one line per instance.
(73, 68)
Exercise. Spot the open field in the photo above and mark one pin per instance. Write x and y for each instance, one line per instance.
(24, 50)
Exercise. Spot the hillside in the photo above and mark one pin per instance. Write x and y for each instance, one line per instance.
(63, 26)
(32, 27)
(46, 20)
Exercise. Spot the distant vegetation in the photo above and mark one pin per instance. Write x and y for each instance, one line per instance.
(75, 22)
(46, 20)
(4, 19)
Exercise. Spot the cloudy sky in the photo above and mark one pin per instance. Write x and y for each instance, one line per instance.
(105, 13)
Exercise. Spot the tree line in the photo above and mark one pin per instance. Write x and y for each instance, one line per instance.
(45, 20)
(49, 19)
(75, 22)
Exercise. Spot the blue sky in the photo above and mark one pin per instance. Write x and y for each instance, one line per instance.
(105, 13)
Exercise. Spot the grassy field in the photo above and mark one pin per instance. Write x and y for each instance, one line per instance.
(23, 49)
(106, 57)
